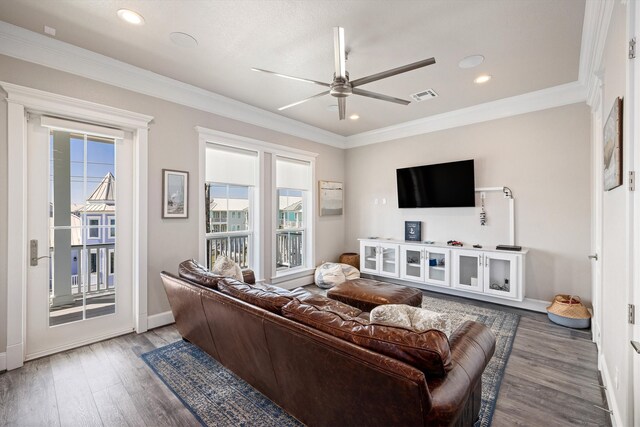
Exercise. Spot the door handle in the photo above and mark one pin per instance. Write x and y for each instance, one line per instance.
(594, 257)
(33, 253)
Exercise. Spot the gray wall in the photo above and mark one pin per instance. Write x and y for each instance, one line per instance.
(542, 156)
(173, 143)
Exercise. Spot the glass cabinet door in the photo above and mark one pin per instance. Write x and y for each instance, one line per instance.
(468, 270)
(412, 265)
(437, 266)
(388, 260)
(368, 257)
(500, 275)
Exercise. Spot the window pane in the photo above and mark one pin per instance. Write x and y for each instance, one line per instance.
(289, 249)
(290, 209)
(238, 207)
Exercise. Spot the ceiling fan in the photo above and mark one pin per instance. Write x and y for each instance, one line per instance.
(341, 87)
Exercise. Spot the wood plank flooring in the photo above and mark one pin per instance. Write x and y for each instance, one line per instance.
(550, 380)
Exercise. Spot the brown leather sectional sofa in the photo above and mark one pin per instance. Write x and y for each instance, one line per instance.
(321, 360)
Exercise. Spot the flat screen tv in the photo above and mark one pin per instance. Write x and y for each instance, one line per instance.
(442, 185)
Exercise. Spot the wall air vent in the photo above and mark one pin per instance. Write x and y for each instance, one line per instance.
(425, 94)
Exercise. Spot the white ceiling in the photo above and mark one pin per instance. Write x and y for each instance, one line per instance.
(528, 45)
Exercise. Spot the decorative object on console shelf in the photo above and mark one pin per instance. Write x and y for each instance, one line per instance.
(454, 243)
(330, 196)
(413, 231)
(175, 194)
(613, 147)
(508, 248)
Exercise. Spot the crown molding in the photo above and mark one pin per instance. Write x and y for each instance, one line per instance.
(29, 46)
(597, 18)
(552, 97)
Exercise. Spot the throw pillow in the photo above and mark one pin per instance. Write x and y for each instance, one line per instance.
(414, 318)
(227, 267)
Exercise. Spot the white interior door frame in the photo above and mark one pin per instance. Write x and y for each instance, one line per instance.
(22, 100)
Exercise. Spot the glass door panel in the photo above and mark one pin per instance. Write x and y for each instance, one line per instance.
(389, 260)
(468, 271)
(82, 214)
(500, 276)
(411, 264)
(437, 265)
(370, 260)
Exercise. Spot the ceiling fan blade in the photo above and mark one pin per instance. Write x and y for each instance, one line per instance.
(342, 108)
(362, 92)
(304, 100)
(339, 52)
(393, 72)
(300, 79)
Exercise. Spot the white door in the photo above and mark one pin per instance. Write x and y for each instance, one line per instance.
(369, 257)
(437, 266)
(388, 258)
(412, 262)
(468, 270)
(71, 299)
(500, 275)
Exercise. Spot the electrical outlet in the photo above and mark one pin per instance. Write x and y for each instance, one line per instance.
(615, 379)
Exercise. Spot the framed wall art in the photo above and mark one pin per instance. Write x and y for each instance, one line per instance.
(330, 195)
(175, 194)
(612, 147)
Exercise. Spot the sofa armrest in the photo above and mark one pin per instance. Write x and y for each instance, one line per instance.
(472, 346)
(248, 276)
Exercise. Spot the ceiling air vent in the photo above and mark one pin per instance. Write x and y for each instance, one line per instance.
(425, 94)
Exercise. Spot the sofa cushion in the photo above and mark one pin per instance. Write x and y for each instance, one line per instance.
(328, 304)
(198, 273)
(414, 318)
(268, 297)
(428, 351)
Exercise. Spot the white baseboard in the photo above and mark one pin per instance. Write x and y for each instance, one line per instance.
(294, 281)
(526, 304)
(611, 397)
(3, 361)
(160, 319)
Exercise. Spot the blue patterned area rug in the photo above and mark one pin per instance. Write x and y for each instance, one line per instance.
(217, 397)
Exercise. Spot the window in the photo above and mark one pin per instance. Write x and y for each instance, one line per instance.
(229, 197)
(292, 240)
(112, 228)
(94, 231)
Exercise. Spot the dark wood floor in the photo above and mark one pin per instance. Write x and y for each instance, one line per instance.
(550, 380)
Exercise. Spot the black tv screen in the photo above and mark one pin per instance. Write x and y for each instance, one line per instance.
(443, 185)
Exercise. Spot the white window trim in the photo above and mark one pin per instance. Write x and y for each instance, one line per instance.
(21, 100)
(91, 227)
(109, 252)
(112, 227)
(261, 147)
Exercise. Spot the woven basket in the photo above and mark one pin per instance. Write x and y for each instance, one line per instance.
(351, 259)
(569, 306)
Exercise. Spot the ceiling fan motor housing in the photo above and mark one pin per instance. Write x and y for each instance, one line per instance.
(340, 88)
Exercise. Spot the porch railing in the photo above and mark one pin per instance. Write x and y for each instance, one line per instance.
(289, 249)
(235, 247)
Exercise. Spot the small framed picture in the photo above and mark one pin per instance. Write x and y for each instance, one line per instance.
(330, 198)
(413, 231)
(175, 194)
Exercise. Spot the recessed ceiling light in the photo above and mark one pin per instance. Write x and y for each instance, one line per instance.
(130, 16)
(333, 107)
(482, 79)
(471, 61)
(354, 117)
(183, 39)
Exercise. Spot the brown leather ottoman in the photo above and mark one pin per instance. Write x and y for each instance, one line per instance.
(366, 294)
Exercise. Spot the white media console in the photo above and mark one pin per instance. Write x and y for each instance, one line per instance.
(439, 267)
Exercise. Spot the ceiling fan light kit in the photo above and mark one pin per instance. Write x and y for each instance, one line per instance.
(341, 87)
